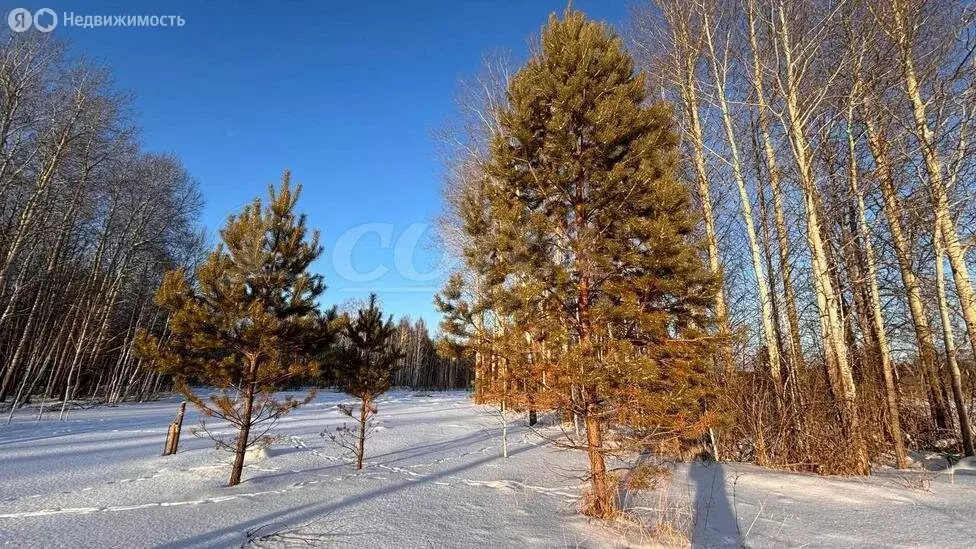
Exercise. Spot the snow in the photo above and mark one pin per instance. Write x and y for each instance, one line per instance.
(434, 477)
(965, 464)
(740, 504)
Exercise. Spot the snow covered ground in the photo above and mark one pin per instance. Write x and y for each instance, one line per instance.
(744, 505)
(434, 478)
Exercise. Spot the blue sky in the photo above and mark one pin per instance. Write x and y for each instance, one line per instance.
(346, 94)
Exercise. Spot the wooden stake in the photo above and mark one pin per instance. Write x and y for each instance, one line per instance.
(173, 436)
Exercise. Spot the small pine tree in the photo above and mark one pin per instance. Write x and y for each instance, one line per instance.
(365, 364)
(248, 322)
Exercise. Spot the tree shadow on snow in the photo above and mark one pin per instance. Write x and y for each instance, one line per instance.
(304, 513)
(714, 520)
(434, 448)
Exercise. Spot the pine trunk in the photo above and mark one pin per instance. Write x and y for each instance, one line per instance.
(240, 451)
(361, 443)
(601, 505)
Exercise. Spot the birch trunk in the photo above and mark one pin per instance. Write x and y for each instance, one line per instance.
(933, 167)
(877, 315)
(835, 346)
(795, 363)
(920, 321)
(686, 60)
(965, 429)
(720, 74)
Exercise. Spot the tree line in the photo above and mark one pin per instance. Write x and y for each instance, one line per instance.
(422, 366)
(743, 224)
(829, 143)
(88, 224)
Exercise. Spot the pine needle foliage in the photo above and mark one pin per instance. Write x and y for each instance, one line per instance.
(247, 322)
(366, 360)
(585, 290)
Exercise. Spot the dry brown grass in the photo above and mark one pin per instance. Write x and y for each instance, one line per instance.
(807, 437)
(664, 517)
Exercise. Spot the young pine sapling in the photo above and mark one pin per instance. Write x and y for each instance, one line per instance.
(246, 323)
(366, 360)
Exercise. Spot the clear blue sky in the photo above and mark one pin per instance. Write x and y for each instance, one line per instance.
(346, 94)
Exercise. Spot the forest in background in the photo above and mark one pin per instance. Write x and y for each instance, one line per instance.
(89, 223)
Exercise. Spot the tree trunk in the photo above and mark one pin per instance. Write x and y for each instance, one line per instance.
(795, 364)
(877, 317)
(502, 413)
(965, 430)
(175, 428)
(689, 97)
(933, 166)
(601, 505)
(361, 443)
(877, 142)
(835, 346)
(242, 436)
(766, 314)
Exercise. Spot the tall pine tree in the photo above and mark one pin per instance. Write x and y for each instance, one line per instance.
(247, 322)
(592, 293)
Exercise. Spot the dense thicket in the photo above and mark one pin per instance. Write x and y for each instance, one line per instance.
(831, 149)
(88, 224)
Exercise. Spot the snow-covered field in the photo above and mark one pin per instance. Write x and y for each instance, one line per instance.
(434, 478)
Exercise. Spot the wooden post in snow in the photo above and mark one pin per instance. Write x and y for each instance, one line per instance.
(173, 436)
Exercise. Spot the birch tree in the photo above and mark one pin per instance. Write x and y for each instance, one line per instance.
(88, 224)
(902, 23)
